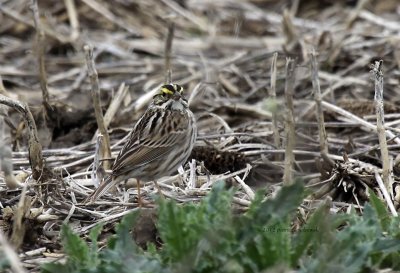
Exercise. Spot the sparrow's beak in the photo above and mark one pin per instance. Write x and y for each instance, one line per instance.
(176, 96)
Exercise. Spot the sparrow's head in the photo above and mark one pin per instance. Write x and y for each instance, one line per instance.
(169, 93)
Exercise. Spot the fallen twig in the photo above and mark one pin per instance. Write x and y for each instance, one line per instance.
(35, 149)
(323, 140)
(385, 194)
(40, 49)
(290, 123)
(95, 91)
(380, 124)
(167, 53)
(272, 95)
(11, 255)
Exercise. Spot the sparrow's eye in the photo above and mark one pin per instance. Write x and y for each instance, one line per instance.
(178, 88)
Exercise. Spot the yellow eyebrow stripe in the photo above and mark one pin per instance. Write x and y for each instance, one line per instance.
(166, 90)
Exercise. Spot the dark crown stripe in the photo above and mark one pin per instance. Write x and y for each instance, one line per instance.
(170, 87)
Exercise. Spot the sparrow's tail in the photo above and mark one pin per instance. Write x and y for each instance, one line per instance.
(107, 184)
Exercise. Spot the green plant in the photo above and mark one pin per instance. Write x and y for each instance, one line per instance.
(369, 241)
(209, 237)
(4, 264)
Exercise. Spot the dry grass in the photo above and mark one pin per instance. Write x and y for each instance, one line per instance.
(222, 52)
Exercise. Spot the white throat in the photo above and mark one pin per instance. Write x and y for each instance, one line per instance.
(175, 105)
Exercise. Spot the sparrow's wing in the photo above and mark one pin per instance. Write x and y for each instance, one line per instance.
(154, 136)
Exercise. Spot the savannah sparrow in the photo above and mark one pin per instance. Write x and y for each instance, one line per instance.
(158, 144)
